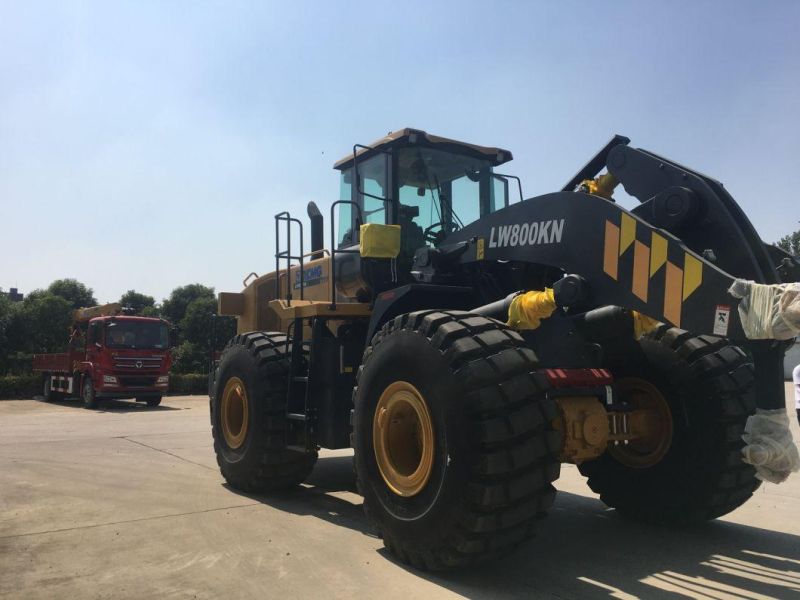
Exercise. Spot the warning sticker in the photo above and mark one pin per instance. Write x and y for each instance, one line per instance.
(722, 317)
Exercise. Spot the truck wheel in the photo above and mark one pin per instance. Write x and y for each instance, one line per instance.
(704, 389)
(150, 400)
(455, 453)
(48, 393)
(248, 416)
(89, 396)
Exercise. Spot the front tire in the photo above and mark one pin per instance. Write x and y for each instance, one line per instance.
(709, 387)
(151, 401)
(248, 416)
(470, 484)
(88, 394)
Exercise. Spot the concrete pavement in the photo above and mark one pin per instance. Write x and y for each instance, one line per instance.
(127, 502)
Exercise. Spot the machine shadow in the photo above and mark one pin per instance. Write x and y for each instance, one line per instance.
(585, 550)
(316, 497)
(114, 406)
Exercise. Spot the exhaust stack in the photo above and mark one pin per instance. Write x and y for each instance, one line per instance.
(317, 236)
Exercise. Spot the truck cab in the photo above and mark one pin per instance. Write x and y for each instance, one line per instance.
(127, 357)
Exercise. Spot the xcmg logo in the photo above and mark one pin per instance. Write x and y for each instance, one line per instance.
(527, 234)
(311, 276)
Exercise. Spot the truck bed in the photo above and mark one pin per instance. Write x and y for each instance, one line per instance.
(51, 362)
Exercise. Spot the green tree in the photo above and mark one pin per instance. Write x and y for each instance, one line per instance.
(790, 243)
(138, 302)
(5, 318)
(199, 320)
(151, 311)
(40, 323)
(74, 291)
(189, 358)
(174, 308)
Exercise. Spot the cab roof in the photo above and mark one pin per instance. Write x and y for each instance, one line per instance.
(411, 137)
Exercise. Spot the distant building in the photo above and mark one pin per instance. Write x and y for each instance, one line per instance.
(13, 295)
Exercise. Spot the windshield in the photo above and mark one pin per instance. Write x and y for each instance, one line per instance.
(441, 192)
(137, 334)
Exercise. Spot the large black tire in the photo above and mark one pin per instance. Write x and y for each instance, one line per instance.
(495, 452)
(88, 394)
(262, 462)
(709, 386)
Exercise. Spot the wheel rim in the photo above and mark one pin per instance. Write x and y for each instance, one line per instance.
(402, 433)
(234, 412)
(654, 422)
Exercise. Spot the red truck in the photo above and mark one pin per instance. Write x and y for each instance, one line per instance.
(110, 355)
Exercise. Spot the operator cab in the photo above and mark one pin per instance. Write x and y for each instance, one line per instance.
(429, 185)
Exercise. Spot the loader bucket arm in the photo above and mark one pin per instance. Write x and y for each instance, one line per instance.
(714, 221)
(626, 261)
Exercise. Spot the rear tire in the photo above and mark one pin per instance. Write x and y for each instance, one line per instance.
(47, 391)
(709, 386)
(494, 451)
(250, 443)
(88, 394)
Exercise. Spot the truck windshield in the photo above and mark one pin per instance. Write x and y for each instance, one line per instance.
(137, 334)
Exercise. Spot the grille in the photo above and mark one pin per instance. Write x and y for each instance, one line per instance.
(137, 381)
(132, 362)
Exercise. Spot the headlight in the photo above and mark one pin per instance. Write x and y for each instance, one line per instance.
(109, 379)
(163, 379)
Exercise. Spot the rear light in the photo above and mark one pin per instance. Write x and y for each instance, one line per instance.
(163, 379)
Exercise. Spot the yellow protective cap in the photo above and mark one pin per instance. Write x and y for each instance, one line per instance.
(527, 310)
(642, 324)
(379, 241)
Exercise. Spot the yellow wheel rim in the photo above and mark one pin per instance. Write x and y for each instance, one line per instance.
(653, 423)
(234, 412)
(402, 432)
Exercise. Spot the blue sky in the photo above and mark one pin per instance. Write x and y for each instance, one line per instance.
(147, 145)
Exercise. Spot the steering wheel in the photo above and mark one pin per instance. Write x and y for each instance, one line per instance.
(434, 237)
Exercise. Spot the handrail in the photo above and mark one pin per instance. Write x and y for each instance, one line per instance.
(519, 184)
(320, 251)
(287, 254)
(246, 279)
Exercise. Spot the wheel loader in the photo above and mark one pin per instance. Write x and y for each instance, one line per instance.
(466, 341)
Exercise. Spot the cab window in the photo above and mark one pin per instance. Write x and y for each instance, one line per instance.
(344, 212)
(372, 188)
(94, 334)
(441, 192)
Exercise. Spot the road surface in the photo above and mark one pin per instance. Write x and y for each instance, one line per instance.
(127, 502)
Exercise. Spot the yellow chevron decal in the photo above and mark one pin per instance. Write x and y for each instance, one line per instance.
(628, 233)
(658, 253)
(649, 260)
(692, 274)
(610, 260)
(641, 256)
(672, 294)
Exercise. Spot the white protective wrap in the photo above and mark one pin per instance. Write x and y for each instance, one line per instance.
(768, 312)
(770, 447)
